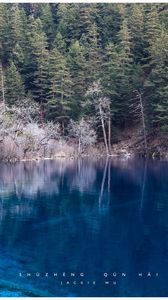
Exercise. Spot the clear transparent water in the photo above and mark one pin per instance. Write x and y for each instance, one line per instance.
(84, 217)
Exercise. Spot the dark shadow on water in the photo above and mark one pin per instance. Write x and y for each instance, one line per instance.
(84, 217)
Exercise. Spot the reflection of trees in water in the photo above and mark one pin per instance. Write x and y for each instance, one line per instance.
(20, 209)
(81, 208)
(27, 179)
(84, 176)
(143, 184)
(22, 183)
(105, 183)
(117, 175)
(154, 191)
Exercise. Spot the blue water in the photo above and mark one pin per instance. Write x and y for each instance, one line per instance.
(84, 228)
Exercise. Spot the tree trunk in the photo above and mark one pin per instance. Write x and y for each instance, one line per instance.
(63, 128)
(79, 146)
(109, 134)
(143, 121)
(104, 131)
(2, 87)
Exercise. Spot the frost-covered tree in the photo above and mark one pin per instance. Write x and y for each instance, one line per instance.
(83, 131)
(26, 112)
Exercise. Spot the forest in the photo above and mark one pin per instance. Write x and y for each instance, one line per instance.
(83, 76)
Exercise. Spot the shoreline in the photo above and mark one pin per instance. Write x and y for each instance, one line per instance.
(91, 156)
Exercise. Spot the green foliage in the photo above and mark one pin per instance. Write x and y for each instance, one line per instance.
(14, 90)
(78, 67)
(37, 60)
(59, 95)
(47, 21)
(56, 52)
(156, 81)
(137, 28)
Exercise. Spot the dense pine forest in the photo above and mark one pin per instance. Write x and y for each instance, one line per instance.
(84, 75)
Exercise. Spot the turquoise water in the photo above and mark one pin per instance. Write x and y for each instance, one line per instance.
(84, 228)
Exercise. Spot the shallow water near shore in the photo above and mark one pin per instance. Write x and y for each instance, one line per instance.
(84, 228)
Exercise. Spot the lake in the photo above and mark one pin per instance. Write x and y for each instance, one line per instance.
(84, 228)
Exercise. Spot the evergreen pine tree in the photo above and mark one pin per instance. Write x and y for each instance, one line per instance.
(47, 21)
(125, 59)
(37, 61)
(137, 28)
(110, 75)
(78, 67)
(5, 37)
(156, 82)
(85, 19)
(59, 102)
(59, 43)
(61, 50)
(14, 88)
(93, 54)
(152, 32)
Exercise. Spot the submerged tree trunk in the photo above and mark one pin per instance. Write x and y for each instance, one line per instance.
(103, 128)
